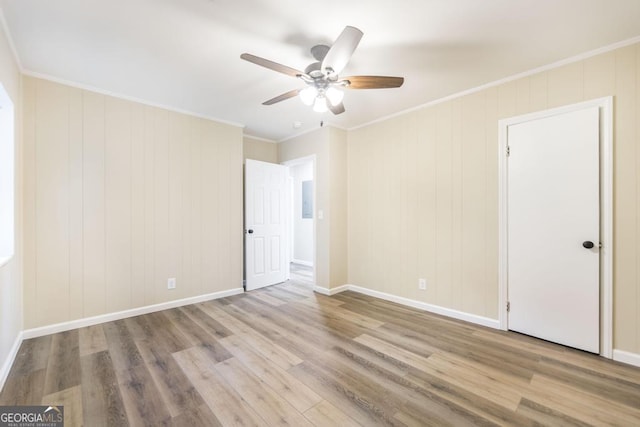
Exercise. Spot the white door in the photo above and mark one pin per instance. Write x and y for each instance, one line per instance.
(553, 219)
(266, 234)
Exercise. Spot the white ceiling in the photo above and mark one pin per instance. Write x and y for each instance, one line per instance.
(185, 54)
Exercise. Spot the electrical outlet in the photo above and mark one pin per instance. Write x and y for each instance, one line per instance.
(171, 283)
(422, 284)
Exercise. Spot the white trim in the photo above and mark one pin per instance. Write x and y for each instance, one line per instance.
(449, 312)
(626, 357)
(304, 132)
(128, 98)
(553, 65)
(95, 320)
(606, 208)
(302, 262)
(259, 138)
(332, 291)
(11, 357)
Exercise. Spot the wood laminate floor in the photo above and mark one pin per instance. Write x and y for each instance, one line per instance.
(286, 356)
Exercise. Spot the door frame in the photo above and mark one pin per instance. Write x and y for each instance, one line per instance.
(299, 161)
(605, 106)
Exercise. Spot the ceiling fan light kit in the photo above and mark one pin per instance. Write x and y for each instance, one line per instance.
(308, 95)
(323, 89)
(320, 105)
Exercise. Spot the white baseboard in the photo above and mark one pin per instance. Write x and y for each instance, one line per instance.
(449, 312)
(332, 291)
(95, 320)
(301, 262)
(11, 357)
(626, 357)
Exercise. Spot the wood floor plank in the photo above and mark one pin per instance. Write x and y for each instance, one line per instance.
(101, 399)
(278, 355)
(229, 407)
(580, 404)
(32, 356)
(319, 300)
(502, 391)
(198, 335)
(417, 361)
(205, 321)
(266, 298)
(325, 414)
(177, 392)
(342, 395)
(344, 315)
(71, 399)
(293, 391)
(407, 400)
(547, 416)
(287, 343)
(515, 361)
(142, 400)
(610, 388)
(200, 416)
(92, 340)
(122, 348)
(273, 408)
(158, 328)
(23, 389)
(63, 365)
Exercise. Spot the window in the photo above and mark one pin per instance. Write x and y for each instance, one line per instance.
(7, 168)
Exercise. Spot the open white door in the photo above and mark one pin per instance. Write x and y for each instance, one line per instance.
(554, 228)
(266, 232)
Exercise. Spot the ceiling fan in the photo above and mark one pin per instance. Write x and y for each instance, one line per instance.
(322, 77)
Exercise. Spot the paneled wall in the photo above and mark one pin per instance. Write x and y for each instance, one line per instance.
(423, 190)
(256, 149)
(11, 311)
(329, 145)
(119, 197)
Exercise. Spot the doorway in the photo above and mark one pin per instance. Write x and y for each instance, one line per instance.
(555, 225)
(302, 224)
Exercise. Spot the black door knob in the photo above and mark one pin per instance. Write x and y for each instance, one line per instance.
(250, 231)
(588, 244)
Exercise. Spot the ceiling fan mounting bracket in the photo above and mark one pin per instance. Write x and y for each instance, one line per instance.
(319, 51)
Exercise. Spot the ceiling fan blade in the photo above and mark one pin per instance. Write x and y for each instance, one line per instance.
(282, 97)
(341, 51)
(337, 109)
(272, 65)
(373, 82)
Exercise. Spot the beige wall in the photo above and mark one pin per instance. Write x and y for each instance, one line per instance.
(11, 308)
(423, 198)
(119, 197)
(329, 146)
(338, 203)
(256, 149)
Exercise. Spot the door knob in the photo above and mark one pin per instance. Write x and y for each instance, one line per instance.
(250, 231)
(588, 244)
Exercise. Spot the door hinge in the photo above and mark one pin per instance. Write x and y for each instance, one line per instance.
(508, 151)
(508, 306)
